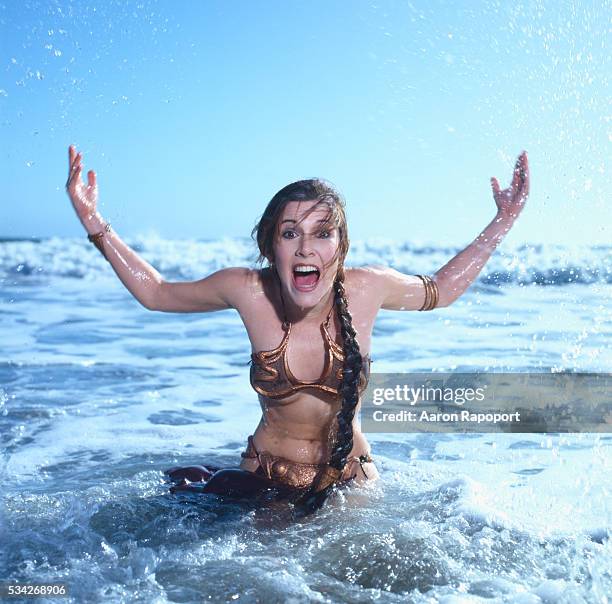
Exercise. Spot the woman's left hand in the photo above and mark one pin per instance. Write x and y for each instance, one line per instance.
(510, 201)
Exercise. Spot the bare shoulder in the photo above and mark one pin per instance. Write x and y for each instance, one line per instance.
(239, 284)
(366, 280)
(240, 276)
(363, 285)
(247, 288)
(387, 287)
(223, 289)
(233, 279)
(365, 275)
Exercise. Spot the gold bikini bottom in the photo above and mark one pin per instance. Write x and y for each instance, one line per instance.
(295, 474)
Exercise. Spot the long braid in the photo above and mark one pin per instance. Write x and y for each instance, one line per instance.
(314, 498)
(266, 233)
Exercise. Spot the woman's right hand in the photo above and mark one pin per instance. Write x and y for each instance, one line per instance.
(84, 197)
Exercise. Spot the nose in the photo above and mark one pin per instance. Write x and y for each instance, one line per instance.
(304, 248)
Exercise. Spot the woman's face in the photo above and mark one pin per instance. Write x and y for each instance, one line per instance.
(303, 252)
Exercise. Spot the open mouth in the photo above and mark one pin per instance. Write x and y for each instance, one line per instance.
(305, 276)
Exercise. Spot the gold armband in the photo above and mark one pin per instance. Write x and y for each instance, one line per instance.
(432, 295)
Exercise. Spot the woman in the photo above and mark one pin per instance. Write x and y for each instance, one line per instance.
(310, 323)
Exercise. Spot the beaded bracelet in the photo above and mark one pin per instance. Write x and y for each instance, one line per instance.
(96, 239)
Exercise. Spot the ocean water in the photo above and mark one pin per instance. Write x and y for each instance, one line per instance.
(99, 395)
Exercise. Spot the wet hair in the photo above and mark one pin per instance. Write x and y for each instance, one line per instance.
(264, 233)
(316, 189)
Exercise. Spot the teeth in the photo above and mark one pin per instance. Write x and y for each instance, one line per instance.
(305, 269)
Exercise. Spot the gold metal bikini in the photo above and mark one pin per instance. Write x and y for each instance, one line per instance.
(295, 474)
(271, 377)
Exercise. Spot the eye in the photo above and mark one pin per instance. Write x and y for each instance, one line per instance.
(288, 234)
(325, 234)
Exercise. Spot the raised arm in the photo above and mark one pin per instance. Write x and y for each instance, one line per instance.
(408, 292)
(218, 291)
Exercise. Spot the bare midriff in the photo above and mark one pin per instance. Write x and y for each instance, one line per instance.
(297, 426)
(297, 429)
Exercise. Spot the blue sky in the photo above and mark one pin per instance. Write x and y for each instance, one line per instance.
(195, 113)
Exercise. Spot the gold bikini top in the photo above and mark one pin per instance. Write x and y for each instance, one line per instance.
(272, 378)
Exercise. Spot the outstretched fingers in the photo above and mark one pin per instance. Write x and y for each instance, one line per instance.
(524, 173)
(517, 178)
(71, 158)
(495, 186)
(516, 194)
(76, 171)
(75, 167)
